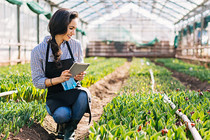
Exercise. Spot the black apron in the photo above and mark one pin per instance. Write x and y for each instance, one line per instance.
(56, 96)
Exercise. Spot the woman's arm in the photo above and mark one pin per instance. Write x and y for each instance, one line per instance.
(37, 70)
(80, 53)
(38, 75)
(65, 75)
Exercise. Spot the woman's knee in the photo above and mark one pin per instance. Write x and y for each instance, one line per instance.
(62, 115)
(83, 97)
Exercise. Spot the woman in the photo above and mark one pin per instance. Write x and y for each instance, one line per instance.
(50, 63)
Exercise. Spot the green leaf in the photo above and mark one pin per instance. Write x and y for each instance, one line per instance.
(170, 134)
(206, 124)
(207, 137)
(201, 115)
(184, 112)
(160, 124)
(202, 130)
(181, 134)
(6, 136)
(194, 116)
(155, 136)
(102, 131)
(129, 134)
(92, 130)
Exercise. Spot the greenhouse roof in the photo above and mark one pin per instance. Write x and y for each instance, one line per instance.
(171, 10)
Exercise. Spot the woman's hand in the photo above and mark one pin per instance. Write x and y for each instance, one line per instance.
(65, 76)
(80, 76)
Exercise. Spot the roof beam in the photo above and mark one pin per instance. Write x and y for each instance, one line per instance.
(86, 1)
(53, 4)
(153, 5)
(117, 7)
(191, 2)
(93, 13)
(161, 5)
(200, 5)
(169, 8)
(162, 12)
(89, 7)
(104, 12)
(62, 2)
(77, 5)
(93, 18)
(159, 15)
(178, 5)
(97, 11)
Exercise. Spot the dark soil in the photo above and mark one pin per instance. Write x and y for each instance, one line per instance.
(192, 83)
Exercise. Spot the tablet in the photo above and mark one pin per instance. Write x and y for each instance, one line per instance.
(77, 68)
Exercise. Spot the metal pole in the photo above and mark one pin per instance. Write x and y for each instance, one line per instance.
(18, 31)
(194, 44)
(37, 26)
(82, 35)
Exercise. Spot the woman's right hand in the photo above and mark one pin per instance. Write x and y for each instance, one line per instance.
(65, 76)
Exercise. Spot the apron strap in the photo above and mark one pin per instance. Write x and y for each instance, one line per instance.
(67, 43)
(47, 55)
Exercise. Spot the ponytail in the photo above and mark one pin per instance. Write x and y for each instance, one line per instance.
(56, 51)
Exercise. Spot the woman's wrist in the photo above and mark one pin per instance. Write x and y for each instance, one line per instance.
(58, 80)
(51, 82)
(75, 80)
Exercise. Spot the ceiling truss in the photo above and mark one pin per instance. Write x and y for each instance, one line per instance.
(164, 8)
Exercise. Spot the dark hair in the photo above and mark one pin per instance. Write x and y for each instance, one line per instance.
(58, 25)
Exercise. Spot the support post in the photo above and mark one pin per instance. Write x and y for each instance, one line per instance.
(18, 32)
(194, 44)
(37, 26)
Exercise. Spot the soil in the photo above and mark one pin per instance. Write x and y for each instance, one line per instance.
(102, 92)
(190, 82)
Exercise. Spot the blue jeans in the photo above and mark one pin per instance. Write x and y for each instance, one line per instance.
(75, 112)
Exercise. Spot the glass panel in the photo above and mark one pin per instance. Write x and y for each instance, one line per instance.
(81, 7)
(185, 4)
(177, 8)
(198, 1)
(57, 1)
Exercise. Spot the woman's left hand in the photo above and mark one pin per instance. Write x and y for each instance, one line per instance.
(80, 76)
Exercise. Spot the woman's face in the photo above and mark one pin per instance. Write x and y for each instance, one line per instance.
(71, 30)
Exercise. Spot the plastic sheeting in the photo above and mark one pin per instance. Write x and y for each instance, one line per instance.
(48, 15)
(151, 43)
(33, 6)
(176, 41)
(81, 31)
(16, 2)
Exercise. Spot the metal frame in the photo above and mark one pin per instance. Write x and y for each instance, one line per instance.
(77, 5)
(178, 5)
(89, 7)
(186, 15)
(139, 3)
(99, 11)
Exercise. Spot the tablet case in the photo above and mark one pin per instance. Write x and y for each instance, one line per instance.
(77, 68)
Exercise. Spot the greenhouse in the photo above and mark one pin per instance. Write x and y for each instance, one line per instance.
(104, 69)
